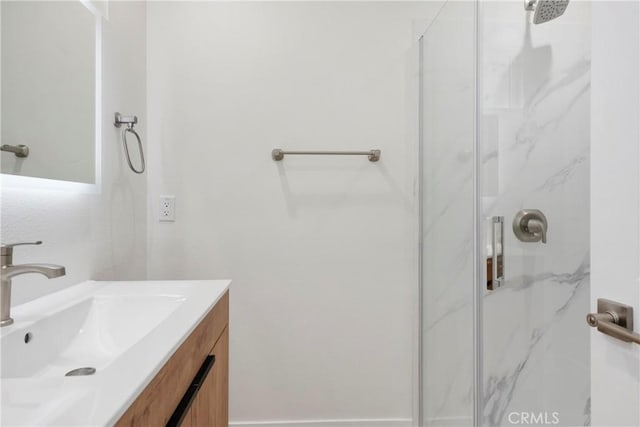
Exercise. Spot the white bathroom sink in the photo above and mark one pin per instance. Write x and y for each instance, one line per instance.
(126, 331)
(90, 333)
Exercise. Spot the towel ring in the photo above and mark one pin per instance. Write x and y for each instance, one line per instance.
(129, 121)
(126, 149)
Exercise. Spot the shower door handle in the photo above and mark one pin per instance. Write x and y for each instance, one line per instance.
(497, 264)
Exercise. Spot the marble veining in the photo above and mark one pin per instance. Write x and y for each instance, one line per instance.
(500, 389)
(531, 131)
(559, 178)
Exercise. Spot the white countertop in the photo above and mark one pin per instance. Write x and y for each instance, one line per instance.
(102, 398)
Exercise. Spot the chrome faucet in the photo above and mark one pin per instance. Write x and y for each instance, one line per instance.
(9, 271)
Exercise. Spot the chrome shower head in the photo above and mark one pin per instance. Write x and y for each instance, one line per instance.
(545, 10)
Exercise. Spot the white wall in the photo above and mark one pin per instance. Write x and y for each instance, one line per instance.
(321, 250)
(615, 206)
(101, 235)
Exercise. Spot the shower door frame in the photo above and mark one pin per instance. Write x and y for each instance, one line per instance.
(478, 270)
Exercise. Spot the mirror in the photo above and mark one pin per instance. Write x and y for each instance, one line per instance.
(49, 89)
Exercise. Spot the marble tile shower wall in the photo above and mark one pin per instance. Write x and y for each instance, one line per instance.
(535, 112)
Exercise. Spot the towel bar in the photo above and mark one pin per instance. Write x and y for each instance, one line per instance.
(278, 154)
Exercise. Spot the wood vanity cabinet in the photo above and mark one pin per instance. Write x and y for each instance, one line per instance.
(175, 390)
(209, 408)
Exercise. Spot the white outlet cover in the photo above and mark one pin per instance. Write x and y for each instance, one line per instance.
(167, 209)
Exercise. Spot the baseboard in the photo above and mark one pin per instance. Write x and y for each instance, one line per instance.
(450, 422)
(395, 422)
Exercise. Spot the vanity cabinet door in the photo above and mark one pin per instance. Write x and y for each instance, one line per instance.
(221, 402)
(211, 406)
(188, 420)
(204, 406)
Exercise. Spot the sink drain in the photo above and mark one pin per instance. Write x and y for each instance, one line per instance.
(80, 371)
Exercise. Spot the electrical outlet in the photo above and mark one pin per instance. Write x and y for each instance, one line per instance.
(167, 208)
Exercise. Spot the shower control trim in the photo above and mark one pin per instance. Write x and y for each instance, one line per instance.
(614, 319)
(530, 225)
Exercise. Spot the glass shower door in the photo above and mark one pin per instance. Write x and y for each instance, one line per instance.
(533, 146)
(504, 114)
(447, 186)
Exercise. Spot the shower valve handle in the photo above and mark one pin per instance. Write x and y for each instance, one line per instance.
(530, 225)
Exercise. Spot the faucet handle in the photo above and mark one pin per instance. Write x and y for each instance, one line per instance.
(8, 248)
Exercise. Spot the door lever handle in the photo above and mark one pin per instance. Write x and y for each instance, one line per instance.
(614, 319)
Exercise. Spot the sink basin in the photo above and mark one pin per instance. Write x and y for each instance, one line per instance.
(90, 333)
(126, 331)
